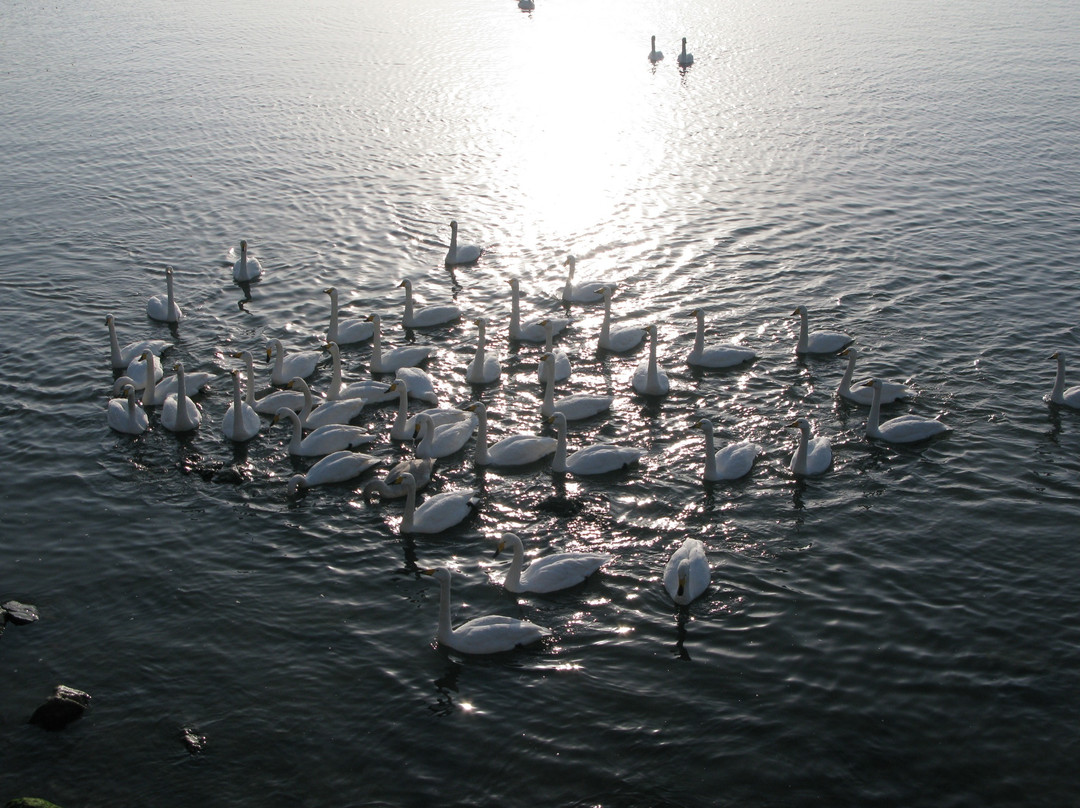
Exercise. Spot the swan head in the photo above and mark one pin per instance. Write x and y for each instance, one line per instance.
(243, 245)
(374, 318)
(330, 290)
(704, 424)
(405, 479)
(406, 284)
(453, 225)
(281, 415)
(109, 319)
(271, 346)
(297, 383)
(514, 283)
(849, 352)
(558, 419)
(128, 390)
(1058, 356)
(239, 354)
(440, 574)
(571, 262)
(800, 423)
(477, 407)
(332, 348)
(506, 540)
(296, 484)
(121, 383)
(877, 384)
(800, 311)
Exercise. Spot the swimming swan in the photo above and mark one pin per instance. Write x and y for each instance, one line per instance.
(314, 415)
(419, 468)
(587, 292)
(819, 342)
(548, 573)
(715, 356)
(288, 366)
(562, 367)
(685, 59)
(485, 367)
(241, 422)
(862, 394)
(429, 315)
(164, 308)
(345, 332)
(904, 428)
(155, 392)
(406, 356)
(1059, 395)
(179, 413)
(373, 392)
(686, 574)
(649, 378)
(444, 440)
(622, 339)
(404, 426)
(654, 54)
(492, 634)
(338, 467)
(599, 458)
(247, 267)
(812, 455)
(515, 450)
(533, 330)
(732, 462)
(575, 406)
(133, 351)
(460, 254)
(438, 513)
(271, 402)
(125, 415)
(323, 440)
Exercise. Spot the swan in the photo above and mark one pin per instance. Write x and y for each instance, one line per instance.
(862, 394)
(272, 402)
(562, 367)
(247, 267)
(515, 450)
(164, 308)
(439, 512)
(373, 392)
(621, 339)
(532, 331)
(428, 316)
(649, 378)
(686, 574)
(179, 413)
(289, 366)
(330, 412)
(1059, 395)
(715, 356)
(418, 468)
(443, 440)
(323, 440)
(485, 367)
(813, 455)
(549, 573)
(732, 462)
(902, 429)
(133, 351)
(575, 406)
(819, 342)
(491, 634)
(588, 292)
(421, 387)
(685, 59)
(155, 392)
(404, 426)
(241, 422)
(334, 468)
(345, 332)
(599, 458)
(654, 54)
(125, 414)
(405, 357)
(460, 253)
(137, 370)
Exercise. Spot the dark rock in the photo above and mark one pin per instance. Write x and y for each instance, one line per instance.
(30, 802)
(561, 506)
(194, 742)
(19, 613)
(228, 476)
(65, 705)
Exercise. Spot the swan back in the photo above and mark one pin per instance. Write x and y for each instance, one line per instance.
(687, 574)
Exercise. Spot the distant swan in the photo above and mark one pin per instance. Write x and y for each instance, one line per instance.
(587, 292)
(861, 393)
(715, 356)
(247, 267)
(818, 342)
(622, 339)
(685, 59)
(514, 450)
(812, 455)
(532, 331)
(288, 366)
(732, 462)
(686, 574)
(438, 513)
(548, 573)
(491, 634)
(133, 351)
(125, 415)
(562, 368)
(404, 357)
(179, 413)
(903, 429)
(485, 367)
(164, 308)
(575, 406)
(654, 54)
(460, 254)
(345, 332)
(241, 422)
(322, 440)
(649, 379)
(1059, 395)
(526, 5)
(428, 316)
(338, 467)
(598, 458)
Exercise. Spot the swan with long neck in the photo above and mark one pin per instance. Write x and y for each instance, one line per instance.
(818, 342)
(649, 378)
(428, 316)
(715, 356)
(685, 59)
(444, 440)
(241, 422)
(438, 513)
(407, 356)
(329, 412)
(533, 330)
(460, 253)
(549, 573)
(687, 574)
(587, 292)
(373, 392)
(812, 456)
(514, 450)
(125, 415)
(575, 406)
(598, 458)
(485, 367)
(861, 393)
(654, 54)
(561, 368)
(121, 358)
(323, 440)
(247, 267)
(902, 429)
(273, 401)
(345, 332)
(290, 365)
(619, 340)
(164, 308)
(338, 467)
(732, 462)
(1059, 395)
(404, 425)
(179, 413)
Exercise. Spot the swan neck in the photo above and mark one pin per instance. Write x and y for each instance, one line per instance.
(873, 420)
(699, 337)
(513, 575)
(238, 403)
(334, 390)
(710, 449)
(798, 462)
(408, 303)
(845, 383)
(548, 405)
(297, 432)
(481, 457)
(803, 331)
(114, 346)
(403, 407)
(652, 376)
(250, 363)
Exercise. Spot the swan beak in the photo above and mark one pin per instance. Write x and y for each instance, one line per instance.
(793, 423)
(426, 572)
(682, 586)
(499, 548)
(369, 319)
(329, 291)
(844, 352)
(397, 481)
(1056, 354)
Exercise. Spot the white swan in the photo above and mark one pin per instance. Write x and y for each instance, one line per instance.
(155, 392)
(818, 342)
(443, 440)
(587, 292)
(575, 406)
(404, 426)
(533, 330)
(273, 401)
(290, 365)
(812, 456)
(685, 59)
(438, 513)
(562, 368)
(686, 574)
(460, 253)
(406, 356)
(133, 351)
(338, 467)
(136, 372)
(902, 429)
(549, 573)
(345, 332)
(599, 458)
(732, 462)
(373, 392)
(491, 634)
(485, 367)
(418, 468)
(421, 386)
(1059, 395)
(622, 339)
(514, 450)
(247, 267)
(863, 394)
(241, 422)
(164, 308)
(179, 413)
(649, 379)
(428, 316)
(323, 440)
(329, 412)
(715, 356)
(654, 54)
(125, 414)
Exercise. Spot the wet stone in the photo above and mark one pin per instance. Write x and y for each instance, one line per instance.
(18, 613)
(194, 742)
(65, 705)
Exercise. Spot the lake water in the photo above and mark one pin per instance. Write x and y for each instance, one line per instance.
(902, 630)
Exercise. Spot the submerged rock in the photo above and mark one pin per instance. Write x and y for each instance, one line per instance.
(64, 706)
(194, 742)
(18, 613)
(30, 802)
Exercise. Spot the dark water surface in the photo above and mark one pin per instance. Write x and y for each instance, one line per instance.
(901, 630)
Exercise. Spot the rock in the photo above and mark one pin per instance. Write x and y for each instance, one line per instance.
(19, 613)
(65, 705)
(30, 802)
(194, 742)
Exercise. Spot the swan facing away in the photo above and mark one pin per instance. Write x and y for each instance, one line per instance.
(587, 292)
(730, 463)
(715, 356)
(903, 428)
(575, 406)
(179, 413)
(654, 54)
(125, 415)
(323, 440)
(485, 367)
(428, 316)
(686, 575)
(438, 513)
(407, 356)
(121, 358)
(598, 458)
(818, 342)
(549, 573)
(685, 59)
(288, 366)
(618, 340)
(460, 253)
(338, 467)
(241, 422)
(1059, 395)
(164, 308)
(862, 393)
(492, 634)
(533, 330)
(346, 332)
(649, 379)
(247, 267)
(812, 456)
(514, 450)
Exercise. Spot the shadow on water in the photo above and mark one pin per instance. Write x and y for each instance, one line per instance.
(681, 619)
